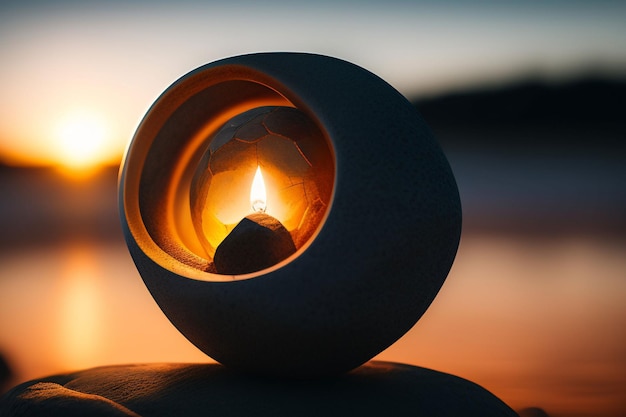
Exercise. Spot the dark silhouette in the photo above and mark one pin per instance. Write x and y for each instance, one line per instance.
(375, 389)
(532, 412)
(592, 105)
(6, 374)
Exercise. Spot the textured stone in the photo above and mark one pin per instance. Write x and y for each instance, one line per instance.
(296, 163)
(153, 390)
(387, 242)
(257, 242)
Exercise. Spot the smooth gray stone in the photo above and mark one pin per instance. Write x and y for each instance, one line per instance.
(374, 389)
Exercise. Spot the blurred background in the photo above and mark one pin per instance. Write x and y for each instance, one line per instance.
(526, 98)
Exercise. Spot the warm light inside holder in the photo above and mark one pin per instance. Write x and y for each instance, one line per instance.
(258, 194)
(271, 160)
(196, 153)
(375, 258)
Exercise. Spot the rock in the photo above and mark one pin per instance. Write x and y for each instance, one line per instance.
(383, 248)
(374, 389)
(53, 399)
(259, 241)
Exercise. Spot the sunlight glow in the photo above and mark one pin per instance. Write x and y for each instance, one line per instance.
(81, 138)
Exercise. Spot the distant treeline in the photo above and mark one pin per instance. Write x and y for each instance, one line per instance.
(592, 107)
(588, 101)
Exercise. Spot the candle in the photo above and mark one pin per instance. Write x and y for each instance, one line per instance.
(259, 241)
(258, 196)
(271, 160)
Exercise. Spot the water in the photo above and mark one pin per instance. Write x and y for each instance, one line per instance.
(539, 322)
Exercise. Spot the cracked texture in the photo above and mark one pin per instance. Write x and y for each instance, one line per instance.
(296, 162)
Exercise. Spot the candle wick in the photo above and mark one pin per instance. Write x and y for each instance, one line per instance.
(259, 206)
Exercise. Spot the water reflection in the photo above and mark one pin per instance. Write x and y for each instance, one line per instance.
(80, 314)
(80, 305)
(539, 322)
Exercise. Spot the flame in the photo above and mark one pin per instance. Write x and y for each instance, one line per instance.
(258, 197)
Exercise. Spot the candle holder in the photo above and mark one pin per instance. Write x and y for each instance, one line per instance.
(342, 253)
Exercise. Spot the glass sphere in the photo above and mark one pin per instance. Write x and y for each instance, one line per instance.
(297, 168)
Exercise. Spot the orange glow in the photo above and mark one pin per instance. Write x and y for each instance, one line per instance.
(80, 315)
(77, 140)
(294, 186)
(258, 196)
(229, 201)
(78, 305)
(81, 141)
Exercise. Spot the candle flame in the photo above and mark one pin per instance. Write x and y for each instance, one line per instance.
(258, 196)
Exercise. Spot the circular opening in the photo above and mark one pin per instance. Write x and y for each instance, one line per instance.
(261, 189)
(198, 151)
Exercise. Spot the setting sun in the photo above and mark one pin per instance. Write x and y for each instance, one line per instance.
(77, 140)
(81, 137)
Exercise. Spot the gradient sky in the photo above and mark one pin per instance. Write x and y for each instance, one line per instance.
(553, 337)
(106, 63)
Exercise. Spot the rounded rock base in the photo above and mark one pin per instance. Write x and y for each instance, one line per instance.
(374, 389)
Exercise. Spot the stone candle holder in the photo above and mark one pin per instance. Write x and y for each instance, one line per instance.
(374, 235)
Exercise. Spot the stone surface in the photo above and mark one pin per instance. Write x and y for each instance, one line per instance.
(257, 242)
(368, 274)
(374, 389)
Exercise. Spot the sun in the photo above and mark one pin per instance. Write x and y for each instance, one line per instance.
(81, 139)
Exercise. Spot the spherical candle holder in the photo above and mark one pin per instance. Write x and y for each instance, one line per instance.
(290, 213)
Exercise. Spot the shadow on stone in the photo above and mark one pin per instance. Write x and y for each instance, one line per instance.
(374, 389)
(532, 412)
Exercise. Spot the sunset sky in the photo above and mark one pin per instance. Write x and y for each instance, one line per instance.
(76, 77)
(533, 309)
